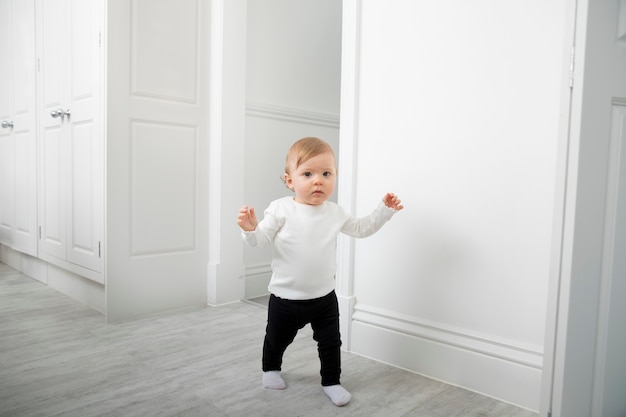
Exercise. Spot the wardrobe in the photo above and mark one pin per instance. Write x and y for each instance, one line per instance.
(104, 146)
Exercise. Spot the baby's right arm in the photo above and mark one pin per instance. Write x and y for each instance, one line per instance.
(255, 232)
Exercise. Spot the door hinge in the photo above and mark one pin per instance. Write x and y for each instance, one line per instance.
(39, 232)
(99, 249)
(571, 67)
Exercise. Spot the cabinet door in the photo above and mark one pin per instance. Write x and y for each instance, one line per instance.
(52, 143)
(25, 126)
(71, 131)
(7, 167)
(84, 223)
(18, 153)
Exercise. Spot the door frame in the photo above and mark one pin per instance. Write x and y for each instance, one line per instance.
(560, 209)
(578, 315)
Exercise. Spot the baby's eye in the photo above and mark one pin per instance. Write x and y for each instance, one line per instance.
(327, 173)
(307, 174)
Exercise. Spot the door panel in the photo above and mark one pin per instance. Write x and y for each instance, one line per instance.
(84, 215)
(612, 341)
(52, 205)
(52, 145)
(7, 187)
(53, 54)
(18, 187)
(7, 181)
(25, 130)
(85, 207)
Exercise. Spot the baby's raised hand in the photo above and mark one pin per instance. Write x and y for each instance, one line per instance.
(247, 219)
(392, 201)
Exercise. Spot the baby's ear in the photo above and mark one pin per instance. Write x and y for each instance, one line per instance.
(288, 182)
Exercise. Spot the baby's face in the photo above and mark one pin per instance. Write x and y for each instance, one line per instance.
(314, 180)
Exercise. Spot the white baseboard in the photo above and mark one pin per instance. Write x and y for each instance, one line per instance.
(84, 290)
(495, 368)
(81, 289)
(28, 265)
(346, 309)
(257, 279)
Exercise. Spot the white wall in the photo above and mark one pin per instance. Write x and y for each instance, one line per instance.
(293, 54)
(457, 112)
(293, 74)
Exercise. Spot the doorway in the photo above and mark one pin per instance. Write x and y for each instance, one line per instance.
(293, 72)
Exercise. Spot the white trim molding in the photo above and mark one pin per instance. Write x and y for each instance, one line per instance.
(257, 278)
(254, 271)
(291, 114)
(531, 356)
(226, 132)
(455, 356)
(348, 160)
(346, 308)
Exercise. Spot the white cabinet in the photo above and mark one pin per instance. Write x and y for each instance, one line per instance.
(146, 102)
(18, 133)
(71, 137)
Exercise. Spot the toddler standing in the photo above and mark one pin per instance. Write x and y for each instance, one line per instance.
(303, 233)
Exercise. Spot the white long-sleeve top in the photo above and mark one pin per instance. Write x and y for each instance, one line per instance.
(304, 240)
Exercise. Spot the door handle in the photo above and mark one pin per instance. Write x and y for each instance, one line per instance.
(60, 113)
(7, 124)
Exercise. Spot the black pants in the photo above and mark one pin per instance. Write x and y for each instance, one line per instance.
(286, 317)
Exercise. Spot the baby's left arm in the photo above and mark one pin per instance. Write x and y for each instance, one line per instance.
(368, 225)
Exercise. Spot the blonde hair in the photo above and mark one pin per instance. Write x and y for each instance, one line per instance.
(303, 150)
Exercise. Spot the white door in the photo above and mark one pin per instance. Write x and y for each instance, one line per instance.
(157, 208)
(71, 208)
(18, 186)
(7, 179)
(53, 148)
(25, 126)
(588, 367)
(84, 228)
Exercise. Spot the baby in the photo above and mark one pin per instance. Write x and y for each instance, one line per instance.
(303, 230)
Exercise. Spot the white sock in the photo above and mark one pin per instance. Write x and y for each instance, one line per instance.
(272, 380)
(337, 394)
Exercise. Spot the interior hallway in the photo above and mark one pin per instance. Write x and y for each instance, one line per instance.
(59, 358)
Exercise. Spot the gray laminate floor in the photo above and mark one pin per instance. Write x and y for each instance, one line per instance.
(59, 358)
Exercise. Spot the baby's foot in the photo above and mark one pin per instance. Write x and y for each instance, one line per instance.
(337, 394)
(272, 380)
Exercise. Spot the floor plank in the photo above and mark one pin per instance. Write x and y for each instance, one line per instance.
(60, 358)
